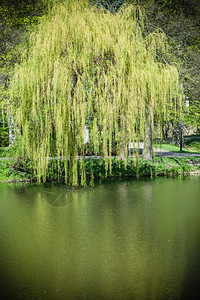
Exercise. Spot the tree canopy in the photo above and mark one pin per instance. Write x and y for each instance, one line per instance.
(85, 67)
(16, 20)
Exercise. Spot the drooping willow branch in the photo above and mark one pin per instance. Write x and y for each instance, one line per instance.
(89, 68)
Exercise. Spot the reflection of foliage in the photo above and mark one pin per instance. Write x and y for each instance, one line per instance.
(55, 200)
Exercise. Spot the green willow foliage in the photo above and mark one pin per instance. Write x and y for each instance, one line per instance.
(87, 67)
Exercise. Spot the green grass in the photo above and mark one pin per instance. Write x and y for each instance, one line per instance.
(192, 146)
(9, 173)
(193, 135)
(160, 166)
(10, 168)
(166, 146)
(7, 152)
(176, 165)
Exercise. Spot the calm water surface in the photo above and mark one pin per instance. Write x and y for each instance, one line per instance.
(119, 240)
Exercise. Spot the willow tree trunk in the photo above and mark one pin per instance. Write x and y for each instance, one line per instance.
(11, 131)
(122, 156)
(148, 143)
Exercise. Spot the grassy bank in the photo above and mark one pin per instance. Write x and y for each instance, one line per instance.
(190, 146)
(9, 172)
(193, 144)
(160, 166)
(13, 170)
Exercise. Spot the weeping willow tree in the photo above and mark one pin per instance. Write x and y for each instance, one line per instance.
(87, 67)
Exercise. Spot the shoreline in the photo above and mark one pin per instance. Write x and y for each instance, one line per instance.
(158, 167)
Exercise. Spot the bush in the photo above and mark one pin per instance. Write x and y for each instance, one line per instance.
(4, 135)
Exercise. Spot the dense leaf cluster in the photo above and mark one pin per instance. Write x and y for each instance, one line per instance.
(88, 68)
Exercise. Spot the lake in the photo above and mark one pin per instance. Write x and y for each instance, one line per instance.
(122, 239)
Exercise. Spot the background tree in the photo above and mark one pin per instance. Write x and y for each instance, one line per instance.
(179, 19)
(17, 18)
(110, 5)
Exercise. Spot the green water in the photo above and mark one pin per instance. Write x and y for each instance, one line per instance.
(119, 240)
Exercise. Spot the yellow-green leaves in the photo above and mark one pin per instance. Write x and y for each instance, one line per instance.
(93, 69)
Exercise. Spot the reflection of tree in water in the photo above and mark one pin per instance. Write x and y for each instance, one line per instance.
(18, 189)
(129, 236)
(55, 196)
(153, 245)
(59, 200)
(23, 191)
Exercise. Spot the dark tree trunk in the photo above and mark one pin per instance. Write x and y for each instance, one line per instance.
(148, 143)
(177, 136)
(165, 129)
